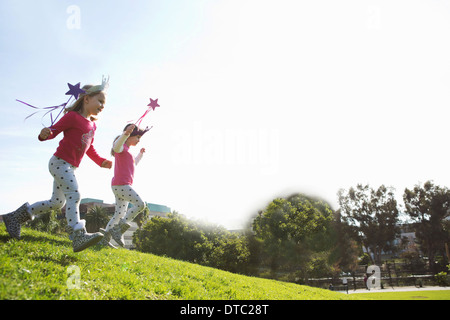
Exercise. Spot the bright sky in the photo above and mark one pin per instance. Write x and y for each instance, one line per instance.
(258, 99)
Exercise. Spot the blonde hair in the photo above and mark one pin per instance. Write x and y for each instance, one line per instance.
(79, 103)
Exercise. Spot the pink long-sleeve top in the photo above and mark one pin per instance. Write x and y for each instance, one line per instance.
(123, 168)
(78, 139)
(124, 162)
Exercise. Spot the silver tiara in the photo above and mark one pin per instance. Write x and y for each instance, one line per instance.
(101, 87)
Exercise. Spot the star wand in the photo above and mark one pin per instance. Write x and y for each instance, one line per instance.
(74, 91)
(152, 105)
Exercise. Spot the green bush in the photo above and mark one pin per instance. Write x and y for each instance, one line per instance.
(441, 279)
(48, 222)
(179, 238)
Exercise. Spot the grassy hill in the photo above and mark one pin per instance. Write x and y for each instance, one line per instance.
(38, 267)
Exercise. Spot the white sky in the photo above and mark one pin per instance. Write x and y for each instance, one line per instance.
(258, 99)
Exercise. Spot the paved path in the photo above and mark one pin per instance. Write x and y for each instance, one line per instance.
(396, 289)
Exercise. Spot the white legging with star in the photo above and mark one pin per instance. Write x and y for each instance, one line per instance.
(65, 191)
(124, 195)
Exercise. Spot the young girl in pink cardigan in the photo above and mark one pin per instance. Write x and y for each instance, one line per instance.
(78, 127)
(121, 184)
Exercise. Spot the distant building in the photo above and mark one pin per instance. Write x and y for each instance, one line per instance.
(158, 210)
(404, 242)
(88, 203)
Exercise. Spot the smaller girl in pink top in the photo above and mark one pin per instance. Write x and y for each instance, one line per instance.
(122, 184)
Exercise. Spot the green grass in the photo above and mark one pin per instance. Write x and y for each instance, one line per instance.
(37, 267)
(407, 295)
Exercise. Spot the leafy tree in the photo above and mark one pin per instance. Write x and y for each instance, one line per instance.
(346, 250)
(373, 215)
(180, 238)
(173, 236)
(286, 229)
(428, 206)
(230, 253)
(97, 217)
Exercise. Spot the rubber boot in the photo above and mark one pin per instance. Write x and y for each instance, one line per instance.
(118, 230)
(16, 219)
(80, 238)
(106, 239)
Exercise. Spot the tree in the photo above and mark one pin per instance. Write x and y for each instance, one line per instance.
(96, 218)
(180, 238)
(346, 250)
(230, 252)
(285, 229)
(428, 206)
(373, 215)
(174, 236)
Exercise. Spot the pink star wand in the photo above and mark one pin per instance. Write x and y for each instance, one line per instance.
(152, 105)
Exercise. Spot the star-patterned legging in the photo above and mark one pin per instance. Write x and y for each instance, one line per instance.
(124, 195)
(65, 191)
